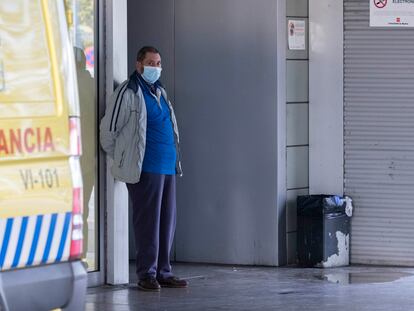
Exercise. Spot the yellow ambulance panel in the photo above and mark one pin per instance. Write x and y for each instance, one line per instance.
(40, 177)
(34, 111)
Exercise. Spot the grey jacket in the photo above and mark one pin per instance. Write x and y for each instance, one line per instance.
(123, 130)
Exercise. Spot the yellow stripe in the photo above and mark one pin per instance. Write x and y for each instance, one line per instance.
(42, 210)
(52, 51)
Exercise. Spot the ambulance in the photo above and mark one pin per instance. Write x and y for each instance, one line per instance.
(40, 146)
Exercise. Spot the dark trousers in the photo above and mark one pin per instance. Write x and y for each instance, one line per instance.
(154, 217)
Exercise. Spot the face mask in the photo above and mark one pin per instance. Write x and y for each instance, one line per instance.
(151, 74)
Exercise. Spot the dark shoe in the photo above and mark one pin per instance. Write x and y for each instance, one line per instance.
(173, 282)
(149, 285)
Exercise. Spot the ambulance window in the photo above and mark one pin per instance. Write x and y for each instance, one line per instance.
(26, 83)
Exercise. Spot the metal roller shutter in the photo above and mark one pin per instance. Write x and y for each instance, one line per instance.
(379, 137)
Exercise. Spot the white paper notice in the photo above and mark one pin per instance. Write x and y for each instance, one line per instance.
(296, 35)
(391, 13)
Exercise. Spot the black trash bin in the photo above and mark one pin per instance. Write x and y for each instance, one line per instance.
(323, 231)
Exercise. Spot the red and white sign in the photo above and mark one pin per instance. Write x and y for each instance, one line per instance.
(380, 3)
(391, 13)
(297, 35)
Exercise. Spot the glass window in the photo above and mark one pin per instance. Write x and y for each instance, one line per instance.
(80, 16)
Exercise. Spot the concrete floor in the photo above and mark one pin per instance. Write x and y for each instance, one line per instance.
(212, 287)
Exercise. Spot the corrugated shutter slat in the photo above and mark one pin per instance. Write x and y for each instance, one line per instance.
(379, 138)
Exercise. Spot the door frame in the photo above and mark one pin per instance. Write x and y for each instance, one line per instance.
(96, 278)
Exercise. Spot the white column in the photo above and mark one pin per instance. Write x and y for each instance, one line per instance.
(326, 97)
(117, 268)
(117, 232)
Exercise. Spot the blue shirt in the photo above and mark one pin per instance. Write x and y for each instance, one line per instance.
(160, 152)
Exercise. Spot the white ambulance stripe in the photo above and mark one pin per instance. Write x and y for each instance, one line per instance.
(3, 222)
(28, 239)
(56, 238)
(42, 239)
(14, 237)
(66, 252)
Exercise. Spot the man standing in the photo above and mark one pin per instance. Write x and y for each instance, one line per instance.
(139, 131)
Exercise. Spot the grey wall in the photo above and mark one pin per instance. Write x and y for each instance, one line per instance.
(220, 61)
(142, 31)
(226, 97)
(314, 108)
(297, 120)
(152, 23)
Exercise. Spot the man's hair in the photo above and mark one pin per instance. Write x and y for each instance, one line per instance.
(143, 52)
